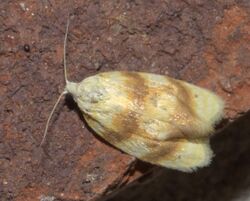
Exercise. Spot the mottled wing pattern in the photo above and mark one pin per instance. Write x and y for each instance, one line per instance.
(155, 118)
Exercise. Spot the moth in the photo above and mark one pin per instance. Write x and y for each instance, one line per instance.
(157, 119)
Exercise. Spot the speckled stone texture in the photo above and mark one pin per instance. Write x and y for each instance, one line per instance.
(204, 42)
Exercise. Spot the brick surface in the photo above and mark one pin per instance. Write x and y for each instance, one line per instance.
(206, 43)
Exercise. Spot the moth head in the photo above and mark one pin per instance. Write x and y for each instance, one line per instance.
(89, 93)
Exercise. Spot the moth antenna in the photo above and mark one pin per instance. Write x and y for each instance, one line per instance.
(64, 52)
(64, 92)
(51, 113)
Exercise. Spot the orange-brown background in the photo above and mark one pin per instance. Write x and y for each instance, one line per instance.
(203, 42)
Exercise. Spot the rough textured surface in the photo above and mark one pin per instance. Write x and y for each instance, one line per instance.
(204, 42)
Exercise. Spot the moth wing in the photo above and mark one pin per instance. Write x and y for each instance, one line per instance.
(150, 105)
(180, 108)
(155, 118)
(181, 154)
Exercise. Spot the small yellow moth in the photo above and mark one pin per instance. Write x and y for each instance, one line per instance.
(155, 118)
